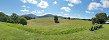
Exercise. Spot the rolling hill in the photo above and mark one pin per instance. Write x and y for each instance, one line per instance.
(46, 29)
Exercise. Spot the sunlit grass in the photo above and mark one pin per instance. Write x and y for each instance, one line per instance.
(46, 29)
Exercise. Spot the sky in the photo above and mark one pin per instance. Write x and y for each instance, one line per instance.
(67, 8)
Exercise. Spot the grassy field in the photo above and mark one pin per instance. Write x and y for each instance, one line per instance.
(46, 29)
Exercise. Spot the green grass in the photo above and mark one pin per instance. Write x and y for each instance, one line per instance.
(46, 29)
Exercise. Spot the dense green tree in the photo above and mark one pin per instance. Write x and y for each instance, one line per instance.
(14, 18)
(101, 18)
(56, 19)
(3, 17)
(23, 21)
(27, 17)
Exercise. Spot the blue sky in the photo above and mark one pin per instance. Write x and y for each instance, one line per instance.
(66, 8)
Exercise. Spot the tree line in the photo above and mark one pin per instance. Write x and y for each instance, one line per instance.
(14, 18)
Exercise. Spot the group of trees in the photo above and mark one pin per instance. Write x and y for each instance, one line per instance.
(100, 18)
(14, 18)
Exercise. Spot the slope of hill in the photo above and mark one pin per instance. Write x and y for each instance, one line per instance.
(46, 29)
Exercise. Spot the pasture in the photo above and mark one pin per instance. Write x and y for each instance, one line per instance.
(46, 29)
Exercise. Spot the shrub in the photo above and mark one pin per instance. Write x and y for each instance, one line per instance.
(23, 21)
(56, 19)
(69, 18)
(95, 27)
(92, 29)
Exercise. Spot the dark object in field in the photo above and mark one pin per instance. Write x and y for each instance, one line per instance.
(95, 27)
(56, 19)
(92, 29)
(69, 18)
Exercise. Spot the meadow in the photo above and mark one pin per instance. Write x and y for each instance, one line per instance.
(46, 29)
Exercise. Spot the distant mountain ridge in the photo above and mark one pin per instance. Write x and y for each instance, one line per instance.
(31, 15)
(50, 15)
(44, 16)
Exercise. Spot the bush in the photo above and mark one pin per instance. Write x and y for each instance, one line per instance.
(23, 21)
(69, 18)
(91, 29)
(95, 27)
(56, 19)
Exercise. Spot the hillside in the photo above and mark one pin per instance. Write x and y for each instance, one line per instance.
(46, 29)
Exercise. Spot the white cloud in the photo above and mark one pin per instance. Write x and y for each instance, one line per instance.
(24, 1)
(67, 9)
(66, 15)
(46, 13)
(89, 12)
(0, 11)
(101, 5)
(55, 2)
(71, 5)
(94, 5)
(23, 6)
(30, 1)
(33, 12)
(59, 14)
(105, 3)
(43, 4)
(24, 10)
(74, 1)
(37, 11)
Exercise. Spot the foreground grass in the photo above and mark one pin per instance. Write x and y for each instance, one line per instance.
(51, 32)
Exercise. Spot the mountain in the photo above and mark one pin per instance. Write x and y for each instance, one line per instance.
(47, 15)
(31, 15)
(44, 16)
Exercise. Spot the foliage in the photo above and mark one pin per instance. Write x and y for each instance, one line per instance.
(3, 17)
(56, 19)
(94, 21)
(96, 27)
(22, 21)
(100, 18)
(14, 18)
(27, 17)
(108, 17)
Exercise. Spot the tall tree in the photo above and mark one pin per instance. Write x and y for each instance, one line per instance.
(101, 18)
(14, 18)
